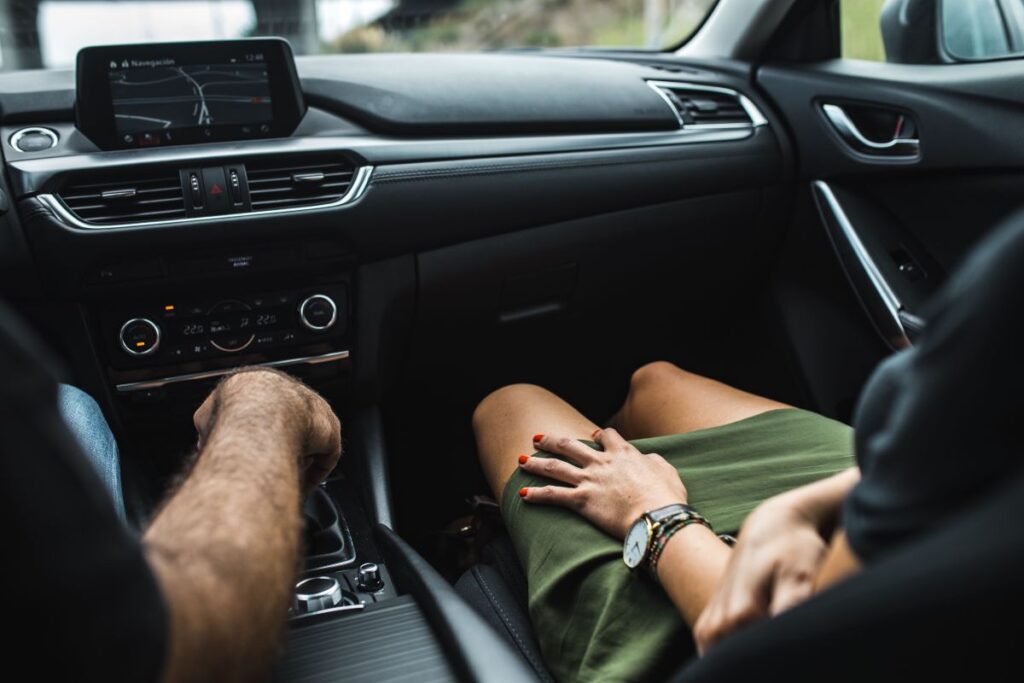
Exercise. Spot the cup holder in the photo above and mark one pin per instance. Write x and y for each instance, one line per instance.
(327, 542)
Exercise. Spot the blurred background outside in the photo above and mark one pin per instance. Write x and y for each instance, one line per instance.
(48, 33)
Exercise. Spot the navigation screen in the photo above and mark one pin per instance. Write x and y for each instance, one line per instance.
(159, 94)
(156, 100)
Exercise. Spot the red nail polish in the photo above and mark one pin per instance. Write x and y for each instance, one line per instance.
(593, 437)
(523, 459)
(537, 437)
(522, 492)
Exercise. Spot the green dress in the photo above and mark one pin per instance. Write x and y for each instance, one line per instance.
(596, 620)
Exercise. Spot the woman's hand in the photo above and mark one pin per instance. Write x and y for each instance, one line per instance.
(772, 568)
(610, 488)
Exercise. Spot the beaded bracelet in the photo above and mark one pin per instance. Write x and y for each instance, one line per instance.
(666, 531)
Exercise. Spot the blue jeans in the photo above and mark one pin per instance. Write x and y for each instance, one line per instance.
(85, 419)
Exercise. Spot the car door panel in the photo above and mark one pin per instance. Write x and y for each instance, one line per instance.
(900, 223)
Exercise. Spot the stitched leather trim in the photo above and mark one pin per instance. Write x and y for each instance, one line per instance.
(509, 626)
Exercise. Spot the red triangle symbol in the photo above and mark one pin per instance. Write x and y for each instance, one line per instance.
(216, 189)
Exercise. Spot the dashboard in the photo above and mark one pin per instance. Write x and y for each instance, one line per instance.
(206, 205)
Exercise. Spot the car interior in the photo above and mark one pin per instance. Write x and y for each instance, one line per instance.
(409, 232)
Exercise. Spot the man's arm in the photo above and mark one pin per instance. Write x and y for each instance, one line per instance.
(777, 562)
(224, 548)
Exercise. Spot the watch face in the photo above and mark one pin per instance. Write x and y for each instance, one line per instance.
(635, 546)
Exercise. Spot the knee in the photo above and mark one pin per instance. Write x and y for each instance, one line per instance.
(655, 373)
(501, 402)
(76, 405)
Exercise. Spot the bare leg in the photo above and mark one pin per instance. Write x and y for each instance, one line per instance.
(506, 420)
(664, 399)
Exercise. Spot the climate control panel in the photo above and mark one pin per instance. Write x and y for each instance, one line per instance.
(179, 331)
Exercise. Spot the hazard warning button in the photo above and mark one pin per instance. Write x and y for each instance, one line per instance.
(215, 188)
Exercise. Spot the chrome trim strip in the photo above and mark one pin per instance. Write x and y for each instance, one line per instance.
(847, 129)
(126, 193)
(330, 610)
(757, 119)
(360, 182)
(128, 387)
(889, 299)
(19, 134)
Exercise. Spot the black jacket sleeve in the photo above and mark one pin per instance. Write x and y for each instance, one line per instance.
(938, 426)
(80, 598)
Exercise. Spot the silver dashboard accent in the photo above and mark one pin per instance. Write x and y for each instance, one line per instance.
(305, 321)
(317, 177)
(126, 193)
(132, 352)
(360, 182)
(895, 332)
(757, 119)
(34, 130)
(129, 387)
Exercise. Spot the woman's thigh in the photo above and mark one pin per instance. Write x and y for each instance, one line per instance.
(665, 399)
(506, 420)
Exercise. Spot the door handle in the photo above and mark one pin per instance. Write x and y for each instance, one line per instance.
(896, 148)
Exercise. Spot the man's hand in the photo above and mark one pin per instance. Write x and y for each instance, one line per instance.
(225, 545)
(774, 565)
(274, 397)
(610, 488)
(772, 568)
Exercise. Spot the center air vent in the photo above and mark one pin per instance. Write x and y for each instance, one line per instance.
(282, 183)
(696, 106)
(147, 196)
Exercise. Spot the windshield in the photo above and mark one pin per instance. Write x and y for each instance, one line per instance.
(48, 33)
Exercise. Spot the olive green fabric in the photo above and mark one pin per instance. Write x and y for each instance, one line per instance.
(595, 619)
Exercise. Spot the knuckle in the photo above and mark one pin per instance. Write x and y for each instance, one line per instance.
(563, 442)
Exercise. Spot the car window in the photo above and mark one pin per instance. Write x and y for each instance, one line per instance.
(932, 31)
(48, 33)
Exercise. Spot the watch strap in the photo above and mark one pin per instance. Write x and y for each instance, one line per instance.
(660, 515)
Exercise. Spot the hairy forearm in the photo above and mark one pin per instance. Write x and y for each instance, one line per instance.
(224, 547)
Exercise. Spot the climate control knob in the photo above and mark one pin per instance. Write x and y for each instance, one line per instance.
(317, 593)
(318, 312)
(139, 337)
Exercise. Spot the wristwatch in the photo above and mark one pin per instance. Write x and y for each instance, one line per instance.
(641, 537)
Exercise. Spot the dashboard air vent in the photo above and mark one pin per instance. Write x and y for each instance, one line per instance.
(698, 107)
(142, 196)
(280, 184)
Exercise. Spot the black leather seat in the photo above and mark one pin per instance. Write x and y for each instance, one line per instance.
(496, 588)
(940, 609)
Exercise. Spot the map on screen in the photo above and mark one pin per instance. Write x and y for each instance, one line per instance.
(198, 95)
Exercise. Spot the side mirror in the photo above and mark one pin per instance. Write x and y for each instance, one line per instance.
(944, 31)
(910, 31)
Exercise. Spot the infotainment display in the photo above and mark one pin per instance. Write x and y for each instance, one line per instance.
(179, 93)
